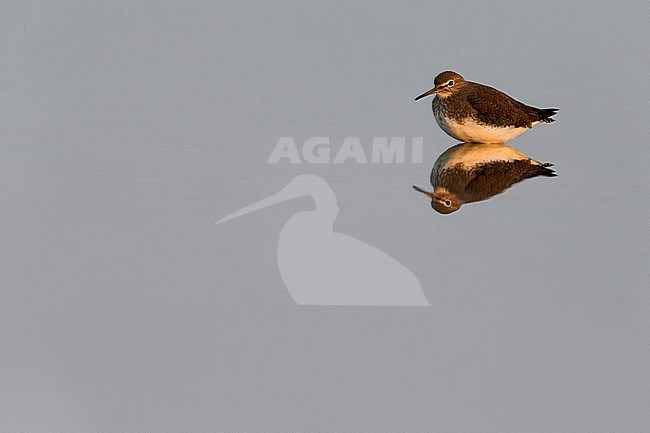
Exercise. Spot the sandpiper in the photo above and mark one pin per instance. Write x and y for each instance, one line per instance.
(470, 172)
(473, 112)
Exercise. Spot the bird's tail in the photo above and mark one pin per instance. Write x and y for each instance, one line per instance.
(544, 170)
(546, 113)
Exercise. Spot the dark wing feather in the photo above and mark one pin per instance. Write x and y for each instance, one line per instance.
(496, 108)
(495, 177)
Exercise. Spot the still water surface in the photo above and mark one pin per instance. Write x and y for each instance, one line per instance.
(128, 131)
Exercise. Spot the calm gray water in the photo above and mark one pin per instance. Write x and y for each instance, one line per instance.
(130, 128)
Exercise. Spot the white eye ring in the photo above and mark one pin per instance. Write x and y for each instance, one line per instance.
(448, 203)
(450, 83)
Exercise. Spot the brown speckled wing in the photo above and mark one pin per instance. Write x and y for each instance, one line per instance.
(493, 178)
(498, 109)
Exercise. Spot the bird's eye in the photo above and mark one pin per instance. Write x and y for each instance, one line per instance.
(448, 203)
(450, 83)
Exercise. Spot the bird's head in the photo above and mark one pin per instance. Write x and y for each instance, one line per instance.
(442, 201)
(445, 84)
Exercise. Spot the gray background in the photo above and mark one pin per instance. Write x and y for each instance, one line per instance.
(129, 128)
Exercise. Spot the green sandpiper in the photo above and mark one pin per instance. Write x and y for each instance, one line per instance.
(473, 112)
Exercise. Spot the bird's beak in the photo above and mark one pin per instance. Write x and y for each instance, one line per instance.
(285, 194)
(427, 93)
(423, 191)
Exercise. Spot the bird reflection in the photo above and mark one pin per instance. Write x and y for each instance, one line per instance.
(470, 172)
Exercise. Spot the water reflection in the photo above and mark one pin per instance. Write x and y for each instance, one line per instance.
(470, 172)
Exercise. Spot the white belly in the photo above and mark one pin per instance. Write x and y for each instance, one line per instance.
(472, 132)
